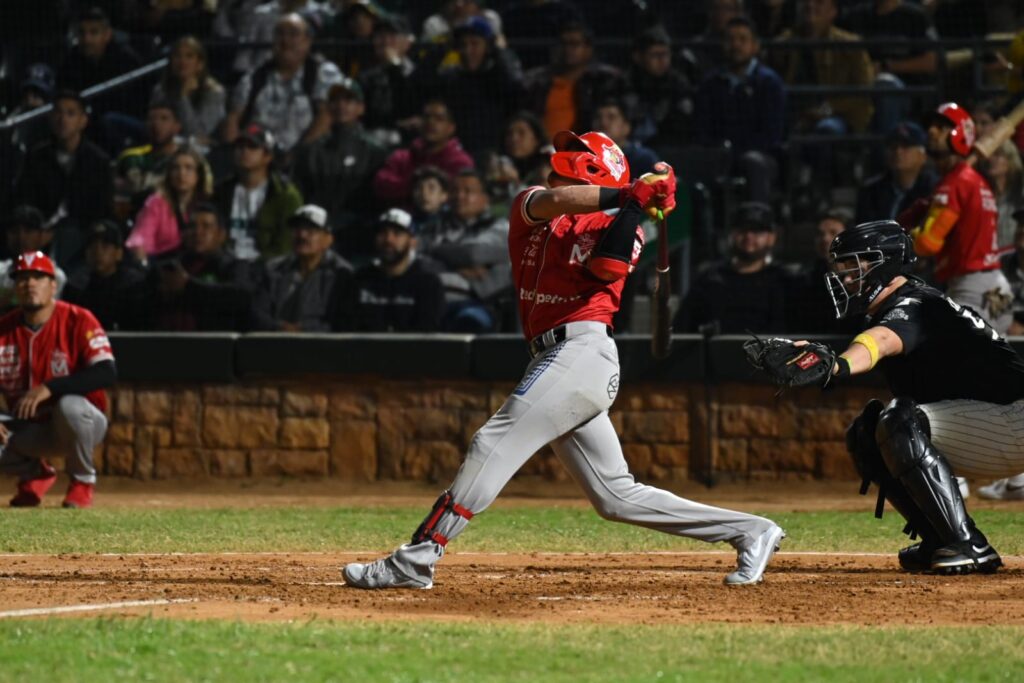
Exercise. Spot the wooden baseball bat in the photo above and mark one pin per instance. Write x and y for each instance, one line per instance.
(661, 319)
(1001, 131)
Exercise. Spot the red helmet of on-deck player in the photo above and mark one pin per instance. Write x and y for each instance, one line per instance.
(591, 158)
(961, 138)
(34, 262)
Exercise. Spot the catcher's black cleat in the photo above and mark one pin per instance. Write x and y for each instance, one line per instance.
(916, 558)
(965, 557)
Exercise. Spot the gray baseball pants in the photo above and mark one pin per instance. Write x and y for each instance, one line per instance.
(978, 439)
(563, 400)
(74, 431)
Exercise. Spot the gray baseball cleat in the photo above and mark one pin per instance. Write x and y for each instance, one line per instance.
(751, 562)
(381, 574)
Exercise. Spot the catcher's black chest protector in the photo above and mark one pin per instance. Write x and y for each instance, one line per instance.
(949, 352)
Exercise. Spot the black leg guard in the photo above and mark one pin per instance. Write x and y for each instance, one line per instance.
(909, 455)
(867, 457)
(443, 521)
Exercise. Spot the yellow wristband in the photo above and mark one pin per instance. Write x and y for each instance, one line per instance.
(869, 343)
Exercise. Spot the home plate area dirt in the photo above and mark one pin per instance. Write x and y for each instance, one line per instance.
(649, 588)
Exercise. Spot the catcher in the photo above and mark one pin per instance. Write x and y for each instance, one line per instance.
(958, 387)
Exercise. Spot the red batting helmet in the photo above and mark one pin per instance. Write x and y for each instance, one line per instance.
(591, 158)
(962, 137)
(34, 262)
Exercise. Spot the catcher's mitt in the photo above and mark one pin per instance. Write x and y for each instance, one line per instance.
(789, 365)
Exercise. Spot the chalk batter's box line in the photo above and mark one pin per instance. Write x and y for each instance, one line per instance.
(472, 553)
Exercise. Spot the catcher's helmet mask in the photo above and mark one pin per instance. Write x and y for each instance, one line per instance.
(864, 260)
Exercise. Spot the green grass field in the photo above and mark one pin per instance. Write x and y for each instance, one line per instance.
(119, 649)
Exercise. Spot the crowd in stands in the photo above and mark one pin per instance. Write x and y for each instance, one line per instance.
(305, 165)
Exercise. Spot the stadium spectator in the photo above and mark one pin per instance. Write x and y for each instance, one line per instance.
(97, 57)
(528, 25)
(1013, 269)
(111, 289)
(199, 98)
(565, 93)
(744, 103)
(745, 293)
(304, 291)
(1005, 175)
(170, 19)
(896, 20)
(68, 178)
(897, 65)
(165, 213)
(831, 115)
(253, 21)
(288, 93)
(483, 89)
(202, 287)
(611, 118)
(36, 90)
(140, 169)
(336, 172)
(662, 94)
(437, 28)
(395, 293)
(907, 177)
(26, 230)
(256, 201)
(772, 17)
(809, 308)
(353, 27)
(430, 192)
(437, 146)
(468, 248)
(393, 86)
(709, 45)
(59, 400)
(525, 158)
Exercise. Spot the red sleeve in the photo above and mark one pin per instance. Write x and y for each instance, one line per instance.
(518, 218)
(393, 181)
(947, 195)
(93, 339)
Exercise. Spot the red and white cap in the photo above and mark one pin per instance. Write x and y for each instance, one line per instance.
(34, 262)
(592, 159)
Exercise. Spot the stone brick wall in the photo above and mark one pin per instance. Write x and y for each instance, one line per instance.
(367, 429)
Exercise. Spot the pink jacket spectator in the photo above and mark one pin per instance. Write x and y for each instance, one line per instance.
(156, 227)
(393, 182)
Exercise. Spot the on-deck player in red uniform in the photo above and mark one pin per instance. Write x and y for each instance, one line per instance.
(959, 230)
(55, 362)
(571, 248)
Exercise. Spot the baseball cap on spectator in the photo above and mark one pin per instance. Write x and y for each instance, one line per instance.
(477, 26)
(26, 216)
(259, 136)
(906, 134)
(34, 262)
(399, 218)
(655, 35)
(40, 77)
(391, 23)
(349, 87)
(309, 215)
(756, 216)
(106, 231)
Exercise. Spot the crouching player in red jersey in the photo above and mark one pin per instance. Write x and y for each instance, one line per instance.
(571, 248)
(55, 362)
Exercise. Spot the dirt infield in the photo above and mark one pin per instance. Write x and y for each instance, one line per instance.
(557, 588)
(655, 588)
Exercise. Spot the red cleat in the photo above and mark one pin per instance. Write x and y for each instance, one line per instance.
(79, 495)
(31, 491)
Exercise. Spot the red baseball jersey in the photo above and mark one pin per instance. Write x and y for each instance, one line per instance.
(550, 272)
(972, 244)
(70, 340)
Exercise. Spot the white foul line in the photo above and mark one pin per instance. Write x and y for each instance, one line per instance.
(42, 611)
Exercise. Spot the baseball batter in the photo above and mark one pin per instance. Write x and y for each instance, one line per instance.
(570, 256)
(959, 229)
(959, 391)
